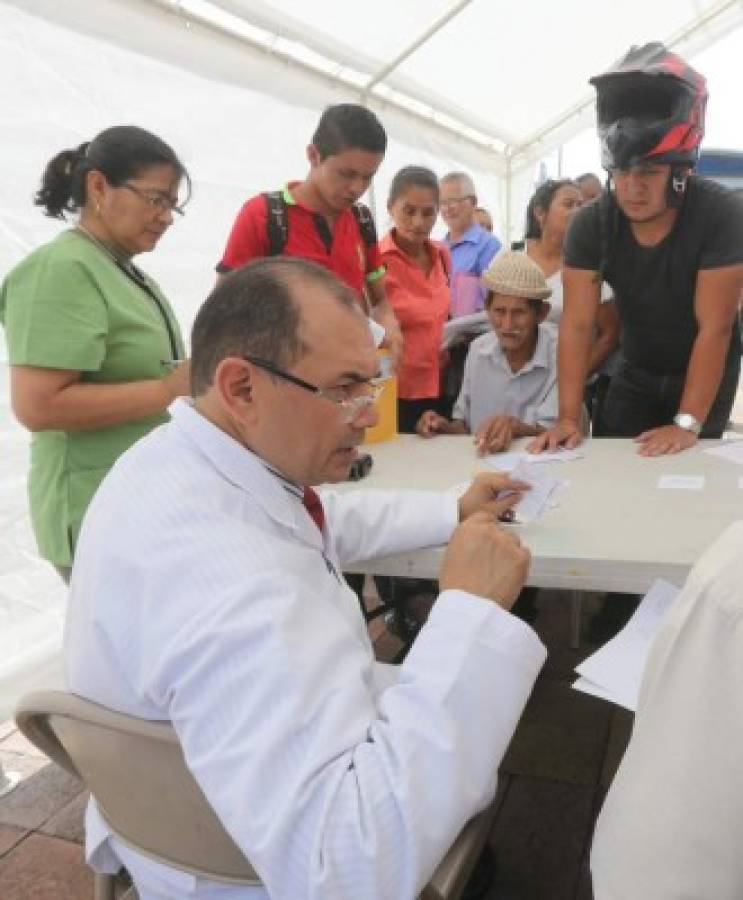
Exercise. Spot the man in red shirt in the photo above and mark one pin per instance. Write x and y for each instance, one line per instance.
(317, 219)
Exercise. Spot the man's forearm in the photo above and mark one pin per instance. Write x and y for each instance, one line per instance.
(601, 351)
(704, 373)
(572, 367)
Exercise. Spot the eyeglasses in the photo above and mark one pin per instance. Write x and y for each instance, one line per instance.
(348, 397)
(161, 203)
(455, 201)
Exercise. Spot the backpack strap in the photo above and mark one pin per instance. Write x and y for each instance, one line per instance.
(277, 222)
(367, 228)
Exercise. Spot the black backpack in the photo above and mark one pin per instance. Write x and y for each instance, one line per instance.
(277, 224)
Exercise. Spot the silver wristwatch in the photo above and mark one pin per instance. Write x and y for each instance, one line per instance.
(688, 422)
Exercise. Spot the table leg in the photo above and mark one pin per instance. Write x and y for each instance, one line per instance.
(576, 603)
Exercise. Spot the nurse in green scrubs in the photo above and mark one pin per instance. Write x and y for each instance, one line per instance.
(95, 351)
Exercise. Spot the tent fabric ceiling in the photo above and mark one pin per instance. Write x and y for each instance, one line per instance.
(519, 75)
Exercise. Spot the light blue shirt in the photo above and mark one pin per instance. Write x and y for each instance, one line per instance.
(491, 388)
(471, 255)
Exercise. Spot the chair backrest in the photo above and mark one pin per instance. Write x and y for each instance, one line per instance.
(136, 771)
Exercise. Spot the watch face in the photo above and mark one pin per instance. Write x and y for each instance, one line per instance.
(687, 422)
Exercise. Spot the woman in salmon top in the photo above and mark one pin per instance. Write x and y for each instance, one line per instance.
(417, 284)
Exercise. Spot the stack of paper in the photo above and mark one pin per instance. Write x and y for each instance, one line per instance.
(732, 451)
(507, 462)
(473, 324)
(533, 503)
(615, 671)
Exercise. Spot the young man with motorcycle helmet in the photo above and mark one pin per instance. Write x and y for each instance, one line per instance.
(670, 244)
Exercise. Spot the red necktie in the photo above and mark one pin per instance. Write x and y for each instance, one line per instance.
(313, 505)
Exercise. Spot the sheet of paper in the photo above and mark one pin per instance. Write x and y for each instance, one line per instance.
(616, 668)
(503, 462)
(533, 503)
(740, 482)
(732, 451)
(507, 462)
(681, 482)
(475, 323)
(588, 687)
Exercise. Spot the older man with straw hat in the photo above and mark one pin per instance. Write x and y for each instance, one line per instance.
(510, 376)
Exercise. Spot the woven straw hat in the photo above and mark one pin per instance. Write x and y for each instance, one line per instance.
(512, 273)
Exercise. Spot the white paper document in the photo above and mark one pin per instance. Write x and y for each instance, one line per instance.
(732, 451)
(681, 482)
(614, 672)
(535, 502)
(475, 323)
(507, 462)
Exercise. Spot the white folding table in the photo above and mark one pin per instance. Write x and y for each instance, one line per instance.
(613, 528)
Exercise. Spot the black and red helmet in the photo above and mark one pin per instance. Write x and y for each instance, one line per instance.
(650, 108)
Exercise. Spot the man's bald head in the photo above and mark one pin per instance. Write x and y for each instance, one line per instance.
(261, 310)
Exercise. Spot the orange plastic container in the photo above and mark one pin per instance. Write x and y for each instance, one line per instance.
(386, 428)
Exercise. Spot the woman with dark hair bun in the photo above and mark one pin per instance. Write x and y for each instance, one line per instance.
(95, 351)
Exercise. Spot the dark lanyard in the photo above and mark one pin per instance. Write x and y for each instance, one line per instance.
(137, 277)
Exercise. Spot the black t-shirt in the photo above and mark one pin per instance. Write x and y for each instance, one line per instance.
(654, 286)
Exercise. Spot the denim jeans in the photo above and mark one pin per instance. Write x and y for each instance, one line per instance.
(639, 400)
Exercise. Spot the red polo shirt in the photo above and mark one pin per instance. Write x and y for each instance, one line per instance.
(342, 250)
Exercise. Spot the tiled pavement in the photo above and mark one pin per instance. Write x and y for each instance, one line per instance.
(552, 783)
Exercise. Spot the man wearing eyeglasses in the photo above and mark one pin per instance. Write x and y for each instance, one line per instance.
(207, 592)
(472, 246)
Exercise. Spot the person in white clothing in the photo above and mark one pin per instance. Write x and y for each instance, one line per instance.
(672, 823)
(207, 592)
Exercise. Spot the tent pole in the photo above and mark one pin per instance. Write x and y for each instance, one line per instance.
(429, 32)
(508, 198)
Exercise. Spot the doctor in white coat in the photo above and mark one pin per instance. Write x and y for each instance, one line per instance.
(206, 591)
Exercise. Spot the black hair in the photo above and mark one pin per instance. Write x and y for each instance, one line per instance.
(413, 176)
(587, 176)
(542, 199)
(253, 311)
(348, 126)
(119, 153)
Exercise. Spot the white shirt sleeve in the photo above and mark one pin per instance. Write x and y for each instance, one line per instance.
(330, 789)
(671, 823)
(368, 524)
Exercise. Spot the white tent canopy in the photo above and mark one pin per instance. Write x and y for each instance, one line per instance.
(478, 82)
(236, 86)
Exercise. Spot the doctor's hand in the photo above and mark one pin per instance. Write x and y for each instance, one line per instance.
(564, 433)
(482, 495)
(485, 560)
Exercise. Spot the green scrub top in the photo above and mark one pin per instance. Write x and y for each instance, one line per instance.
(68, 305)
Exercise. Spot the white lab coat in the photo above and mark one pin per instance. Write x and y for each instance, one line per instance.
(672, 824)
(203, 593)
